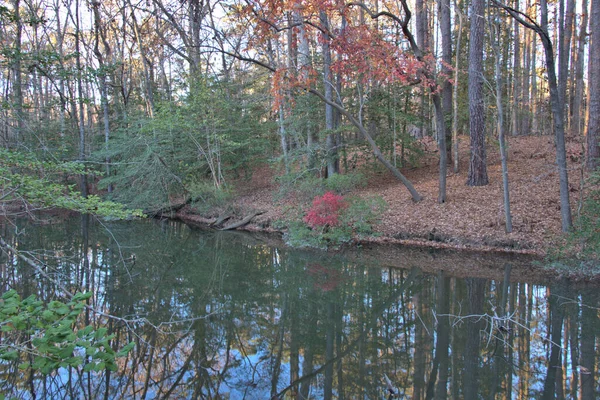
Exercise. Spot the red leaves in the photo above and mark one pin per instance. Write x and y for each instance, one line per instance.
(325, 210)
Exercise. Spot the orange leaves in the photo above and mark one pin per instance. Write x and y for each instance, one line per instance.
(364, 54)
(362, 50)
(285, 80)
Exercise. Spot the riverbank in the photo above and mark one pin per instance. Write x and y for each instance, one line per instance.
(472, 218)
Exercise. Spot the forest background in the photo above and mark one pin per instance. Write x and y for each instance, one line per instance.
(160, 104)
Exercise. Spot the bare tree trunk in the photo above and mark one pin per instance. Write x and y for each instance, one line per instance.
(99, 32)
(328, 91)
(16, 71)
(564, 48)
(593, 132)
(83, 177)
(500, 124)
(578, 92)
(446, 33)
(304, 61)
(148, 84)
(516, 96)
(477, 166)
(557, 108)
(455, 89)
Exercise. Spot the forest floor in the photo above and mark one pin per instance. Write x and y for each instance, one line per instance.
(471, 218)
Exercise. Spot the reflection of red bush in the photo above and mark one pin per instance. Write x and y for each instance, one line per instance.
(325, 210)
(326, 279)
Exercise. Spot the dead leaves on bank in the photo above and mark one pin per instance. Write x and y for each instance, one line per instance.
(472, 217)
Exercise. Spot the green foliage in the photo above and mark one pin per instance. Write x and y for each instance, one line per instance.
(307, 186)
(584, 241)
(45, 337)
(206, 197)
(24, 178)
(212, 134)
(354, 221)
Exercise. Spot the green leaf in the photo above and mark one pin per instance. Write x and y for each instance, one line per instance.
(126, 349)
(10, 355)
(100, 333)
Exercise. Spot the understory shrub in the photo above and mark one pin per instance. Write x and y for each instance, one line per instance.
(307, 186)
(584, 241)
(333, 220)
(206, 197)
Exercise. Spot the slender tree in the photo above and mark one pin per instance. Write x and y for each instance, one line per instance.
(541, 30)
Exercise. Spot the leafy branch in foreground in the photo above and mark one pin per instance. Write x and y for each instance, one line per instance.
(44, 337)
(34, 183)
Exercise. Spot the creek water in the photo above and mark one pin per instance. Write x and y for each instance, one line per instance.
(229, 315)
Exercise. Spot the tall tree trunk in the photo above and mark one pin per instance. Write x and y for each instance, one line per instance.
(446, 33)
(534, 86)
(423, 43)
(564, 51)
(516, 96)
(455, 89)
(593, 132)
(82, 144)
(557, 108)
(148, 82)
(328, 91)
(16, 71)
(99, 32)
(477, 166)
(578, 92)
(500, 123)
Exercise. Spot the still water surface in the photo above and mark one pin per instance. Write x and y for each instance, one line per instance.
(226, 315)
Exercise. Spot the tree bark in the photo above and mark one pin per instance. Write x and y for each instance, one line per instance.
(500, 125)
(328, 92)
(16, 71)
(578, 92)
(593, 131)
(82, 144)
(455, 89)
(446, 32)
(477, 166)
(564, 51)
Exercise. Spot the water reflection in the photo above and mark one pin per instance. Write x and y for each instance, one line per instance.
(224, 315)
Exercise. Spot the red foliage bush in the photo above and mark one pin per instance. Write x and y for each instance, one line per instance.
(325, 210)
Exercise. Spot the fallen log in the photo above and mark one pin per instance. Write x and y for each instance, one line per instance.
(243, 222)
(219, 221)
(170, 209)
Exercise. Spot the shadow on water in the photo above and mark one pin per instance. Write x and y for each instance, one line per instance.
(229, 315)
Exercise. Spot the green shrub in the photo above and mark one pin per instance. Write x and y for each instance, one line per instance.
(307, 186)
(207, 197)
(584, 241)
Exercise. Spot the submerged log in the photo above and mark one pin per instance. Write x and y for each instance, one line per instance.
(243, 222)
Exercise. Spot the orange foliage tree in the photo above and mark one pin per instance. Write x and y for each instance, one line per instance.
(368, 53)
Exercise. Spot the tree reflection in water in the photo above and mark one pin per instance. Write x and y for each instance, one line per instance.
(226, 315)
